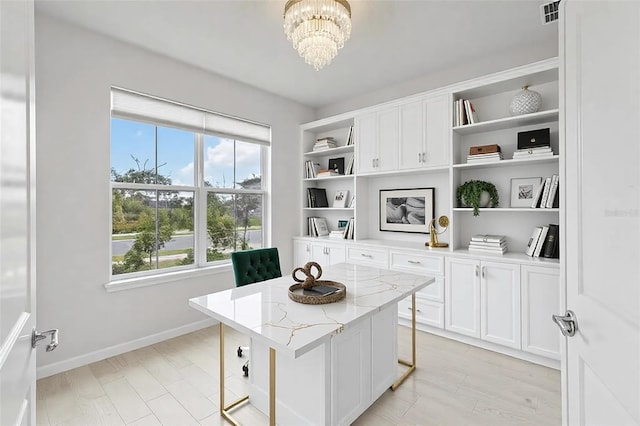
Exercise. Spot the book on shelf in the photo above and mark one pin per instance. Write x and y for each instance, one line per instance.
(352, 202)
(545, 192)
(487, 245)
(541, 241)
(533, 241)
(472, 117)
(311, 169)
(350, 137)
(339, 234)
(318, 226)
(553, 192)
(349, 169)
(487, 238)
(484, 158)
(551, 246)
(324, 143)
(487, 250)
(348, 230)
(535, 203)
(326, 173)
(317, 197)
(340, 198)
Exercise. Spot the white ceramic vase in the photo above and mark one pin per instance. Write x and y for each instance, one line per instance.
(525, 102)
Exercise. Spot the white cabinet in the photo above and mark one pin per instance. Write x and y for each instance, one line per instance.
(540, 300)
(301, 252)
(483, 300)
(423, 133)
(500, 303)
(377, 136)
(430, 300)
(368, 256)
(327, 254)
(462, 296)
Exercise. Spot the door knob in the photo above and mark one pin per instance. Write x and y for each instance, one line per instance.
(568, 323)
(37, 336)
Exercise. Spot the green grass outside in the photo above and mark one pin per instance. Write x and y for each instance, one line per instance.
(132, 236)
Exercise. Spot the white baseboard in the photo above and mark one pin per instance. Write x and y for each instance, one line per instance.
(79, 361)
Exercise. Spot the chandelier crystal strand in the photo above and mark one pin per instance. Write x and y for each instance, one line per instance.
(317, 28)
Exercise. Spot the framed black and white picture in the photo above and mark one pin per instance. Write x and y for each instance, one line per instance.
(523, 190)
(406, 210)
(340, 198)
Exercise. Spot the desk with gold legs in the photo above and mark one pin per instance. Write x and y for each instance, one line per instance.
(347, 349)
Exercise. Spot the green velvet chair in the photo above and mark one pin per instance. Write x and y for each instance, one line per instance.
(252, 266)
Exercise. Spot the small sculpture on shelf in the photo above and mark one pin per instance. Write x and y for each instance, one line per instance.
(443, 221)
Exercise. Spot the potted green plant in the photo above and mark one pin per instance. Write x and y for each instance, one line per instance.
(470, 194)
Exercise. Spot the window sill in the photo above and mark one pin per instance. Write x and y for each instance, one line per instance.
(137, 282)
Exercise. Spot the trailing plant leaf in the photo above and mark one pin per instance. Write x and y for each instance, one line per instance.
(471, 191)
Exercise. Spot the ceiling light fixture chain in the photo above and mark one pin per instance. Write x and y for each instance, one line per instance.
(317, 28)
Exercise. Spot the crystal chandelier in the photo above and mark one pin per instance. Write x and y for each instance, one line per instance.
(317, 28)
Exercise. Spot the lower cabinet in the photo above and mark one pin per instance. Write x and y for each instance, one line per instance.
(322, 252)
(482, 300)
(540, 300)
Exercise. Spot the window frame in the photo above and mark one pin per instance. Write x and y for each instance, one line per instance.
(200, 192)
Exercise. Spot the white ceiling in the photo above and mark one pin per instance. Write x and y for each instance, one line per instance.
(391, 41)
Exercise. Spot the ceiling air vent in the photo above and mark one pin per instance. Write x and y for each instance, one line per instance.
(549, 12)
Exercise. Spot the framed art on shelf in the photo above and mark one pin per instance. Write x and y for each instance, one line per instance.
(407, 210)
(523, 190)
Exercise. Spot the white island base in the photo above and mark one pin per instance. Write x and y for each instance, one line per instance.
(334, 383)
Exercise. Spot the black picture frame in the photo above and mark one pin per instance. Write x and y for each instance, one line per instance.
(407, 210)
(336, 164)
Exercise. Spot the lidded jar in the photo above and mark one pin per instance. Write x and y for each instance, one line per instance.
(525, 102)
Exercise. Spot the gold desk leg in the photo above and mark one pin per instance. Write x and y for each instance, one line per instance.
(272, 387)
(412, 364)
(224, 410)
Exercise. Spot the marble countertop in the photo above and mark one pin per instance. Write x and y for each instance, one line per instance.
(264, 311)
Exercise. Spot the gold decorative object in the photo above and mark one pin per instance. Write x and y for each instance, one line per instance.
(317, 28)
(296, 291)
(443, 221)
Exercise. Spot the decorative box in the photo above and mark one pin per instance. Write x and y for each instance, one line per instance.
(484, 149)
(533, 139)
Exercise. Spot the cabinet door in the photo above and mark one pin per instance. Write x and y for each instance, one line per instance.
(336, 254)
(366, 144)
(436, 131)
(411, 136)
(319, 253)
(540, 300)
(462, 296)
(351, 373)
(301, 253)
(388, 139)
(500, 303)
(384, 350)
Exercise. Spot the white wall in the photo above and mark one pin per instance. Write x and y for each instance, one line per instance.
(475, 67)
(74, 71)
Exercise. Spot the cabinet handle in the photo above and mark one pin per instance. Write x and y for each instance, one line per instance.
(419, 157)
(483, 270)
(373, 163)
(477, 270)
(366, 255)
(307, 248)
(414, 262)
(409, 308)
(424, 157)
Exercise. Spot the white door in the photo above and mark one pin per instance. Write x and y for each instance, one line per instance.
(388, 139)
(601, 227)
(462, 296)
(17, 216)
(336, 254)
(436, 131)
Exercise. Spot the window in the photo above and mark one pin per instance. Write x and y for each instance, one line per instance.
(183, 196)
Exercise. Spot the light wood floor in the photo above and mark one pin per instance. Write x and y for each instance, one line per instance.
(175, 383)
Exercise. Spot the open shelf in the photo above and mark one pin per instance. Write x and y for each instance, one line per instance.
(508, 122)
(341, 177)
(507, 163)
(506, 210)
(330, 151)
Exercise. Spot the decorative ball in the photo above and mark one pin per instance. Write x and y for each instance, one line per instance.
(525, 102)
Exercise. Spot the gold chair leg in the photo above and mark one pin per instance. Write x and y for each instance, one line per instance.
(412, 364)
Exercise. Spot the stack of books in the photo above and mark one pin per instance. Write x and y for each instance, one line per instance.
(327, 173)
(339, 234)
(318, 226)
(347, 234)
(538, 152)
(324, 143)
(317, 198)
(488, 244)
(311, 169)
(548, 195)
(484, 154)
(544, 241)
(464, 113)
(350, 137)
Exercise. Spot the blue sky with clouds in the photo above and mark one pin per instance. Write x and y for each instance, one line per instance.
(176, 154)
